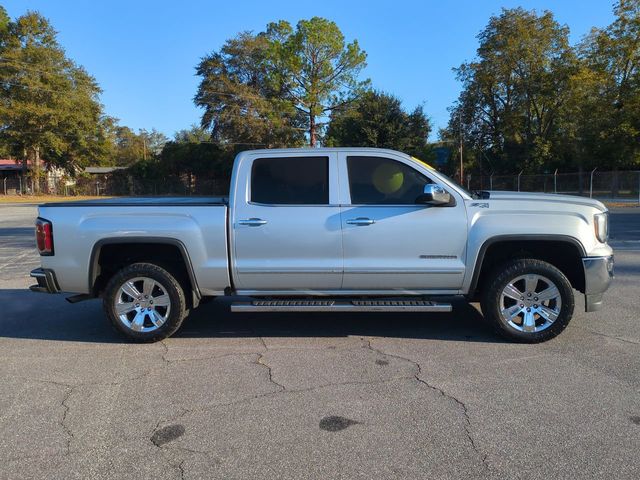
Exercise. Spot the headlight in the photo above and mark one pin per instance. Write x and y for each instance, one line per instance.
(601, 224)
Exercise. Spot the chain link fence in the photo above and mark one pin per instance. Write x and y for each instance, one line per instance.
(621, 186)
(614, 186)
(113, 185)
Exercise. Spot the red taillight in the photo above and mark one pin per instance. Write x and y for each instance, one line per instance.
(44, 236)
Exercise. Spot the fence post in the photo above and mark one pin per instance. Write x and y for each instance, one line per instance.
(555, 181)
(5, 185)
(519, 179)
(469, 182)
(20, 179)
(491, 182)
(591, 183)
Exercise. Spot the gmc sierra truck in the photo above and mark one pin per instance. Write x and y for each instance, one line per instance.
(330, 230)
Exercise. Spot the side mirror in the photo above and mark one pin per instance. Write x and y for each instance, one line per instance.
(434, 194)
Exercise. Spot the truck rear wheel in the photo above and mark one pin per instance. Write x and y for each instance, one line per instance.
(528, 300)
(144, 302)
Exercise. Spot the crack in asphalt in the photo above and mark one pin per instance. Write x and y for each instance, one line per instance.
(279, 389)
(460, 403)
(260, 361)
(66, 408)
(599, 334)
(63, 420)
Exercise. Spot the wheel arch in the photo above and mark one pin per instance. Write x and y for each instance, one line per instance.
(566, 256)
(96, 283)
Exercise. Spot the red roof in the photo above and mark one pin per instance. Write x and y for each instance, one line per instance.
(10, 164)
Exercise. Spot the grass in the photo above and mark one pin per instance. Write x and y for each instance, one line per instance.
(42, 198)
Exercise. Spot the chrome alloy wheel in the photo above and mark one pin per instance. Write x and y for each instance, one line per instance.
(530, 303)
(142, 304)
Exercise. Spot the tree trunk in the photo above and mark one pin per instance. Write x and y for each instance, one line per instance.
(615, 183)
(580, 180)
(36, 170)
(312, 130)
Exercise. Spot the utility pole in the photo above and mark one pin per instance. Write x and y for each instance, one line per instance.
(461, 162)
(144, 147)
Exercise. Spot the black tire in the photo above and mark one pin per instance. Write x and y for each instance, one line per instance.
(502, 276)
(168, 285)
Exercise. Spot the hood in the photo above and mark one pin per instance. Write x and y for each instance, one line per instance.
(546, 197)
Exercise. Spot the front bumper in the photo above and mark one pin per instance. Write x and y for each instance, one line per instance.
(598, 273)
(47, 282)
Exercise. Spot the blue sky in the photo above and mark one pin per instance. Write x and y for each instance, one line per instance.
(143, 53)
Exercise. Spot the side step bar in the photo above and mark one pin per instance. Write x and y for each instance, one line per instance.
(341, 306)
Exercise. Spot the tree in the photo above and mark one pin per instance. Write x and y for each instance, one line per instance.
(243, 102)
(268, 89)
(127, 147)
(192, 154)
(152, 142)
(605, 106)
(377, 119)
(514, 92)
(318, 69)
(49, 109)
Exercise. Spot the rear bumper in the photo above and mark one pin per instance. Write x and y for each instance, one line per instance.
(47, 282)
(598, 273)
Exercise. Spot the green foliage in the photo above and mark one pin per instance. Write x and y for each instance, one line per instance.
(530, 101)
(318, 70)
(377, 119)
(192, 153)
(125, 147)
(514, 91)
(268, 89)
(242, 101)
(605, 104)
(49, 107)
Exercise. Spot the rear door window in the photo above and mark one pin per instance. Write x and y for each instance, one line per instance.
(290, 181)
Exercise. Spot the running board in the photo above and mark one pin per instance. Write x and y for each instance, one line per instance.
(341, 306)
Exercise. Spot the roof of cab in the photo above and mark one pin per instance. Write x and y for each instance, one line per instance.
(321, 150)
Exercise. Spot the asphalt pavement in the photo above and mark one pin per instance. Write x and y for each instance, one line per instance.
(314, 396)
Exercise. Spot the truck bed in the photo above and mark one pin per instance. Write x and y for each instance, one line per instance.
(198, 225)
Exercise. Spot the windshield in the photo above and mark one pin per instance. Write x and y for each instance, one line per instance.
(446, 177)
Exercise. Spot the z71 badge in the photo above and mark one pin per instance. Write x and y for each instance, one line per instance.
(480, 204)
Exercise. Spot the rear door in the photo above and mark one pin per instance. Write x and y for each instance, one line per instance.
(390, 242)
(287, 224)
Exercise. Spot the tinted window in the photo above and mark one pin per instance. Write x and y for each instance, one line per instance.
(290, 181)
(382, 181)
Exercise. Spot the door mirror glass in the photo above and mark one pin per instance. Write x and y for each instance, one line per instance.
(434, 194)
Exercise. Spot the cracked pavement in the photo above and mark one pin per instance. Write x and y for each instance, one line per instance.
(314, 396)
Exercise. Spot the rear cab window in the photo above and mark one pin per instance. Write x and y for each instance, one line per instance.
(290, 180)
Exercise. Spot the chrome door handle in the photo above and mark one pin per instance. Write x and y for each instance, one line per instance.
(252, 222)
(361, 221)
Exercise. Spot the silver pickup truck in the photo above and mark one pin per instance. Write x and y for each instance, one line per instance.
(330, 230)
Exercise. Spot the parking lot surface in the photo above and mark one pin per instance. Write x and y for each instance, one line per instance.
(314, 396)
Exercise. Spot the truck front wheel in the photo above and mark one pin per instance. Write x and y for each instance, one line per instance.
(528, 300)
(144, 302)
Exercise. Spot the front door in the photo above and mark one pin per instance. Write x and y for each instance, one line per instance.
(390, 242)
(287, 229)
